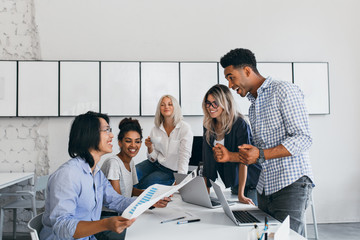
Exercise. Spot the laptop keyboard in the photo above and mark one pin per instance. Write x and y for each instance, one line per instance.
(245, 217)
(215, 202)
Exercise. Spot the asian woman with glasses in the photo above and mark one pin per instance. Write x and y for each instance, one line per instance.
(224, 125)
(77, 190)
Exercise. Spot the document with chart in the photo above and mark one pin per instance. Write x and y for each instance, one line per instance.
(153, 194)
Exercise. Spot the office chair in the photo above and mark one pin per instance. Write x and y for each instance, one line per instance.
(35, 225)
(312, 204)
(24, 203)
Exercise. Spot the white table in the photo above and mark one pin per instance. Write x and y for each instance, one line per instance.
(8, 179)
(214, 224)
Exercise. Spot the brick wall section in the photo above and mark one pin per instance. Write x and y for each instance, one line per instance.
(23, 141)
(23, 148)
(18, 32)
(24, 145)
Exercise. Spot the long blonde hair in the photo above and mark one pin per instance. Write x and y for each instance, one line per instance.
(177, 116)
(225, 100)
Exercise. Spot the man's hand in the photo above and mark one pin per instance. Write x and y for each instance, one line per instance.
(162, 203)
(221, 154)
(118, 224)
(248, 154)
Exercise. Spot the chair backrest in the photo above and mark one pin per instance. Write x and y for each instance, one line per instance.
(196, 151)
(41, 183)
(35, 225)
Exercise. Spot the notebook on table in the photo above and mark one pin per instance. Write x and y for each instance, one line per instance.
(242, 217)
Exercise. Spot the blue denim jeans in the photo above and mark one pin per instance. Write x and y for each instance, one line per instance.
(291, 200)
(150, 173)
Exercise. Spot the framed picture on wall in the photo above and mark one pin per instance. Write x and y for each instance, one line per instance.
(276, 70)
(196, 78)
(120, 88)
(79, 87)
(157, 79)
(313, 79)
(8, 85)
(38, 88)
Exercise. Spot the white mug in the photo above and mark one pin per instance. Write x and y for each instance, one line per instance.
(155, 140)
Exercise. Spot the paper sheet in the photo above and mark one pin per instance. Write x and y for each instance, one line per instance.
(283, 231)
(153, 194)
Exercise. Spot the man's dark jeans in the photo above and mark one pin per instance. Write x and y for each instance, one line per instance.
(291, 200)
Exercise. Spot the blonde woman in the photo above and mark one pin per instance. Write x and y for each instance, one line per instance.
(168, 146)
(223, 125)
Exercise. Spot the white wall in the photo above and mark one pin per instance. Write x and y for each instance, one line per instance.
(205, 30)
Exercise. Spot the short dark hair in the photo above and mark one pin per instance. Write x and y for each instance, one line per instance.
(85, 135)
(239, 58)
(127, 125)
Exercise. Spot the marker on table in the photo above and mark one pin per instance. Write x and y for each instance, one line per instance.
(265, 228)
(170, 220)
(188, 221)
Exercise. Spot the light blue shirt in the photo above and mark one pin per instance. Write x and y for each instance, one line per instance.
(74, 194)
(278, 116)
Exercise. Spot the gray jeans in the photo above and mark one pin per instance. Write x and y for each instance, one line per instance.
(291, 200)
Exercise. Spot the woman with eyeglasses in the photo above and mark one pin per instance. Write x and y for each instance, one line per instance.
(168, 146)
(77, 190)
(224, 125)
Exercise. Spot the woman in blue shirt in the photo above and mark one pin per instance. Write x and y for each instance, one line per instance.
(77, 190)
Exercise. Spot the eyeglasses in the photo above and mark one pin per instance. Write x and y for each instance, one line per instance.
(214, 104)
(108, 130)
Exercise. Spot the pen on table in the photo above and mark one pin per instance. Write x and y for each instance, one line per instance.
(174, 219)
(188, 221)
(265, 228)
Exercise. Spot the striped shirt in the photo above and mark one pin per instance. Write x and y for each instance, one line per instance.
(278, 116)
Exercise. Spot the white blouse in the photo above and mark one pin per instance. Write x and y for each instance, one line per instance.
(174, 151)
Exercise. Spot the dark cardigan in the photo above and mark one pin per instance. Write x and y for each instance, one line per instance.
(240, 134)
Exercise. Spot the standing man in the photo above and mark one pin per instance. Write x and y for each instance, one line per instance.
(281, 135)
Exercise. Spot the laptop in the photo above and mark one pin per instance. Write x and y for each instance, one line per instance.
(195, 192)
(243, 217)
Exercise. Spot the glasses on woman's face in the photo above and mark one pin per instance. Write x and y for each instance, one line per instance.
(214, 104)
(107, 130)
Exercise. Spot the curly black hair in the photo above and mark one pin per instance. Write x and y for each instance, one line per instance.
(239, 58)
(129, 124)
